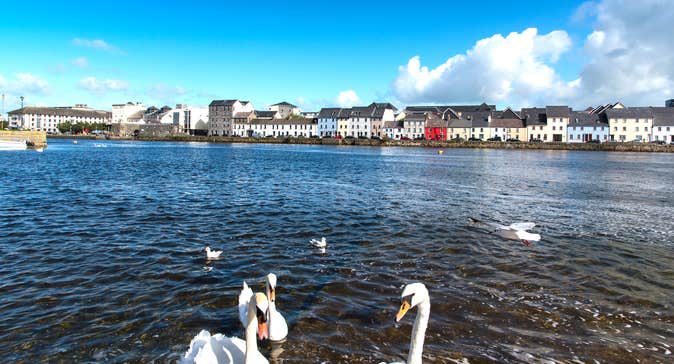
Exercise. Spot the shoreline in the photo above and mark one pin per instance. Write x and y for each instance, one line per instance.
(602, 147)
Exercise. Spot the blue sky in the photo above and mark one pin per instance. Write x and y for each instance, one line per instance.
(303, 52)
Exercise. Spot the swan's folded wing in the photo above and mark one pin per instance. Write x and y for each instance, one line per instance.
(522, 225)
(278, 327)
(523, 235)
(244, 298)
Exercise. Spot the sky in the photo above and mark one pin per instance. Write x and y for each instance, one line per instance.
(319, 54)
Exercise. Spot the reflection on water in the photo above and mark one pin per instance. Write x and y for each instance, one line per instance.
(101, 251)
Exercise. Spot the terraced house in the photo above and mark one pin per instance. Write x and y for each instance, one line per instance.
(48, 119)
(508, 125)
(586, 127)
(663, 124)
(327, 121)
(630, 124)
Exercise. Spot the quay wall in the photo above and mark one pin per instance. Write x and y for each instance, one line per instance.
(35, 139)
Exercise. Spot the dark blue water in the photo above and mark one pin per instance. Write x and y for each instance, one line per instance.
(100, 251)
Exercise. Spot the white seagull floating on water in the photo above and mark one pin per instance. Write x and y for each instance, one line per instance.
(319, 243)
(516, 231)
(212, 254)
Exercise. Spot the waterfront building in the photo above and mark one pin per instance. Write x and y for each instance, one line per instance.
(394, 129)
(122, 113)
(290, 128)
(266, 114)
(48, 119)
(241, 123)
(630, 124)
(507, 125)
(669, 103)
(585, 127)
(535, 121)
(220, 113)
(285, 109)
(194, 119)
(414, 125)
(343, 123)
(556, 123)
(459, 129)
(368, 121)
(436, 129)
(327, 121)
(479, 121)
(663, 124)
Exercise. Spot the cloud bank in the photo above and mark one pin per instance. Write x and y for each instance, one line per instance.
(94, 85)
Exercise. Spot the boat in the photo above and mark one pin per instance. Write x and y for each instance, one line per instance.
(13, 145)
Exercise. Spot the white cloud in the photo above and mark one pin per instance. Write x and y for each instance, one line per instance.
(629, 58)
(81, 62)
(161, 90)
(516, 68)
(94, 85)
(98, 44)
(347, 98)
(24, 83)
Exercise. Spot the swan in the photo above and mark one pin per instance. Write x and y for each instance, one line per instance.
(319, 243)
(415, 295)
(278, 328)
(212, 254)
(219, 349)
(244, 298)
(516, 231)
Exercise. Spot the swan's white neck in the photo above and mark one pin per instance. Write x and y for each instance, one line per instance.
(272, 307)
(251, 332)
(419, 332)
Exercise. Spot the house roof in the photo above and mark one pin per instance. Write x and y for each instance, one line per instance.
(242, 115)
(423, 109)
(558, 111)
(222, 102)
(507, 123)
(283, 103)
(416, 117)
(329, 112)
(533, 116)
(62, 111)
(344, 113)
(464, 108)
(384, 105)
(460, 123)
(479, 119)
(630, 113)
(264, 114)
(663, 116)
(394, 124)
(585, 119)
(437, 123)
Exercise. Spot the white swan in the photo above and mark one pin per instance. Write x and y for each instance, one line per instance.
(212, 254)
(219, 349)
(516, 231)
(415, 295)
(278, 328)
(244, 299)
(319, 243)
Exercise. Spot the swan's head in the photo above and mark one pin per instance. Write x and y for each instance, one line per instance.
(271, 286)
(206, 249)
(413, 294)
(261, 312)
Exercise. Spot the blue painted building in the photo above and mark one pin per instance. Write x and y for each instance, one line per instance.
(584, 127)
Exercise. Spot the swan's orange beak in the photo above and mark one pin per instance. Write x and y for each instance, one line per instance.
(262, 332)
(404, 307)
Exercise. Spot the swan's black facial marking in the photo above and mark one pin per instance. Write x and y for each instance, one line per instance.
(261, 316)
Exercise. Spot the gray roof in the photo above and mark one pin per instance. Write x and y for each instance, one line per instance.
(464, 108)
(558, 111)
(422, 109)
(384, 106)
(344, 113)
(264, 114)
(533, 116)
(663, 116)
(392, 124)
(62, 111)
(284, 104)
(479, 119)
(242, 115)
(437, 123)
(460, 123)
(585, 119)
(222, 102)
(630, 113)
(329, 112)
(506, 119)
(416, 117)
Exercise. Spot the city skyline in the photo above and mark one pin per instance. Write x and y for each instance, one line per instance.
(316, 55)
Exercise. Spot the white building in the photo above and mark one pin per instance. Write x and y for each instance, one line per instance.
(663, 124)
(368, 121)
(393, 129)
(122, 112)
(327, 121)
(630, 124)
(414, 126)
(288, 128)
(48, 118)
(584, 127)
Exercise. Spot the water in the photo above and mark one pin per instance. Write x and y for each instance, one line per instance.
(100, 245)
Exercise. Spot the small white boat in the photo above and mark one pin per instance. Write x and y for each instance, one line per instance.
(13, 145)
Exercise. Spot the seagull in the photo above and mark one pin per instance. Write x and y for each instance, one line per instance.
(516, 231)
(319, 243)
(212, 254)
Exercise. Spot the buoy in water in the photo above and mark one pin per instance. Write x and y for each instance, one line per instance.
(441, 151)
(74, 141)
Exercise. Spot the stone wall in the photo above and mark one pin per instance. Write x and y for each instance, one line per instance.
(145, 130)
(36, 139)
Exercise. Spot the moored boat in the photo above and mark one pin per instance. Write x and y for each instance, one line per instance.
(13, 145)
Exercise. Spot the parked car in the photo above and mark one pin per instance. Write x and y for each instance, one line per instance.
(596, 141)
(456, 140)
(513, 140)
(405, 138)
(419, 138)
(269, 136)
(362, 137)
(494, 139)
(661, 142)
(327, 136)
(338, 136)
(473, 139)
(314, 137)
(374, 137)
(535, 141)
(349, 137)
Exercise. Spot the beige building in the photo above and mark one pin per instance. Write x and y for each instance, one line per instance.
(285, 109)
(508, 124)
(630, 124)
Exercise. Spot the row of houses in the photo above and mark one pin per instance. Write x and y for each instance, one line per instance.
(611, 122)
